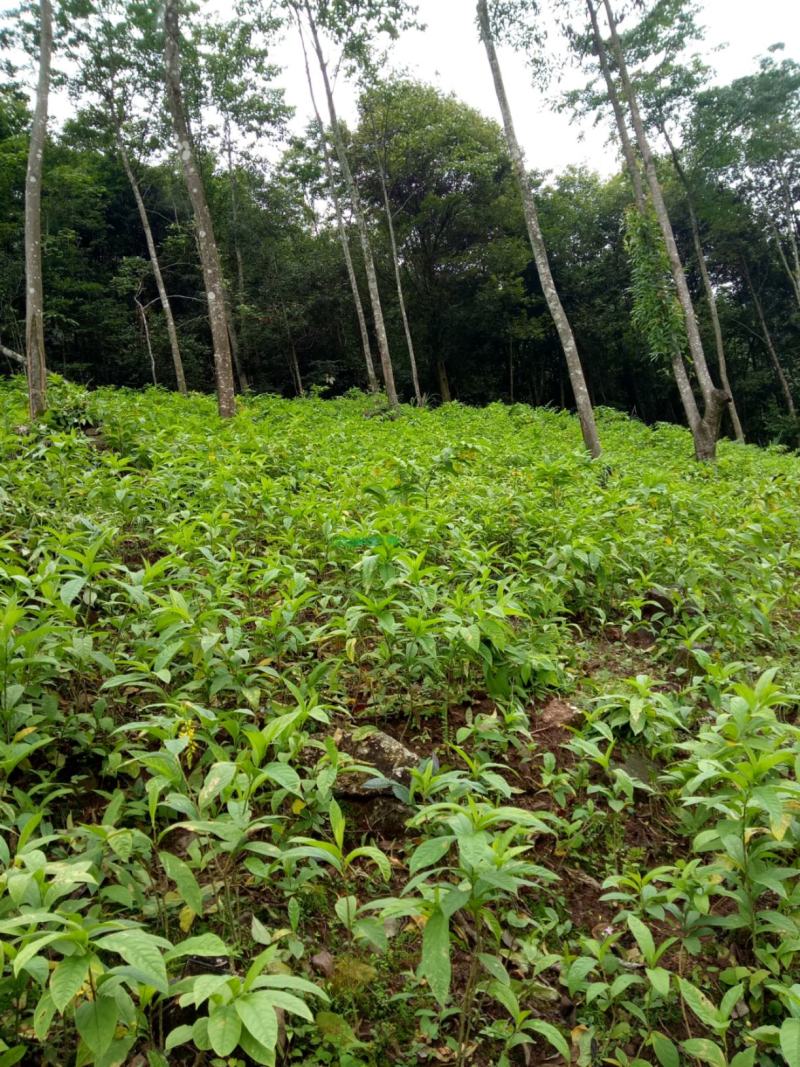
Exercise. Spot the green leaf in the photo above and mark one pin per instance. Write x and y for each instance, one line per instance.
(179, 1036)
(71, 589)
(745, 1059)
(219, 776)
(285, 776)
(435, 964)
(224, 1028)
(644, 939)
(553, 1036)
(43, 1016)
(202, 945)
(659, 979)
(257, 1012)
(666, 1051)
(790, 1041)
(67, 979)
(706, 1051)
(141, 951)
(96, 1021)
(429, 852)
(703, 1008)
(183, 877)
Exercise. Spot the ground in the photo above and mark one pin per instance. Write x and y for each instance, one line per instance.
(589, 854)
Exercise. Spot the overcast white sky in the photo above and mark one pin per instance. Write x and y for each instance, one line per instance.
(449, 55)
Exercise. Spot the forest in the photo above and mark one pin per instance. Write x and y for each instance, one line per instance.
(399, 544)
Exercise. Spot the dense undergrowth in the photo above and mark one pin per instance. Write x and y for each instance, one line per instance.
(594, 859)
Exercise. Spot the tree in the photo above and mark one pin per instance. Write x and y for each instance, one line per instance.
(576, 375)
(206, 242)
(351, 26)
(113, 69)
(382, 135)
(34, 289)
(704, 427)
(342, 230)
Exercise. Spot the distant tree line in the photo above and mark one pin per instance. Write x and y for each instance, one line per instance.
(186, 241)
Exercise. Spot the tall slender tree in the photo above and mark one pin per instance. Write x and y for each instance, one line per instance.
(358, 211)
(36, 365)
(705, 426)
(340, 225)
(575, 369)
(206, 241)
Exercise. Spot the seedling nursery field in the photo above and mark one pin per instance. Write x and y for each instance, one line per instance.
(331, 736)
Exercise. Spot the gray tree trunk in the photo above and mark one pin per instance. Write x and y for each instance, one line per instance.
(342, 230)
(708, 288)
(209, 254)
(401, 299)
(172, 333)
(576, 375)
(706, 431)
(680, 374)
(622, 127)
(361, 223)
(36, 365)
(9, 353)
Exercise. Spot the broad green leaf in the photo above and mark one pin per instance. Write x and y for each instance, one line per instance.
(71, 589)
(435, 964)
(703, 1008)
(705, 1051)
(141, 951)
(553, 1036)
(666, 1052)
(258, 1015)
(67, 979)
(220, 775)
(285, 776)
(429, 852)
(96, 1021)
(201, 945)
(224, 1027)
(745, 1059)
(644, 939)
(790, 1041)
(659, 979)
(183, 877)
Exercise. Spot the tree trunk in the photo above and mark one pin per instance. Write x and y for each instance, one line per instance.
(177, 362)
(401, 299)
(235, 319)
(711, 298)
(619, 116)
(361, 223)
(294, 363)
(146, 329)
(444, 381)
(209, 254)
(511, 370)
(714, 400)
(576, 375)
(780, 374)
(34, 290)
(343, 239)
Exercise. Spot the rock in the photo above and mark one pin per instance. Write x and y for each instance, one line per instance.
(379, 756)
(323, 963)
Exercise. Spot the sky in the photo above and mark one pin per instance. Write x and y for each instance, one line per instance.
(449, 55)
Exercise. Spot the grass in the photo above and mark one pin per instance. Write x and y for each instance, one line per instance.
(593, 853)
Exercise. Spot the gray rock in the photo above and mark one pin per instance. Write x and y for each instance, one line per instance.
(376, 755)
